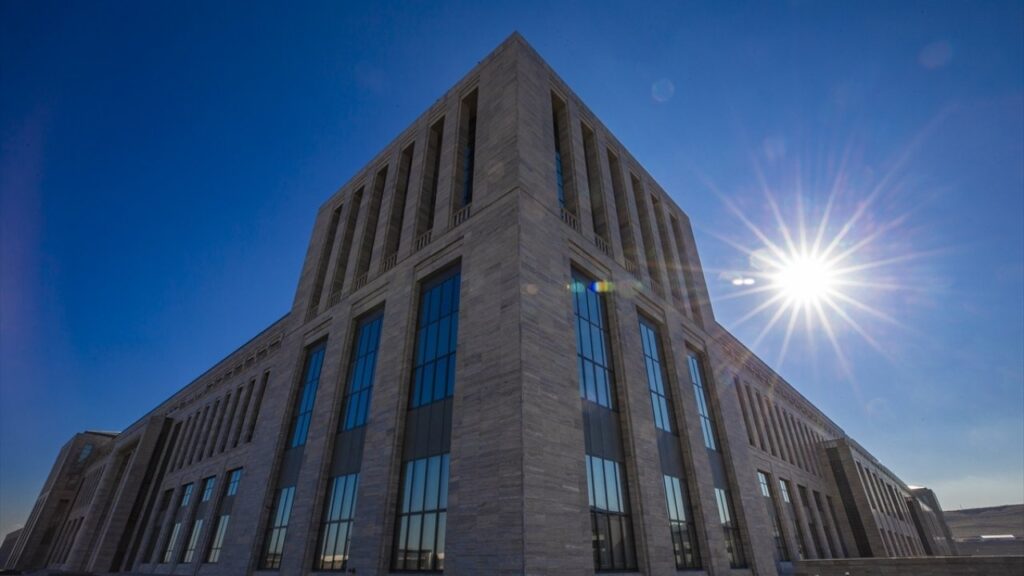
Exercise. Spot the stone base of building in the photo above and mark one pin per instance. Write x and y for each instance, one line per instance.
(931, 566)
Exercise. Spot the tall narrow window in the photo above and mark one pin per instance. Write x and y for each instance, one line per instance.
(193, 539)
(717, 459)
(234, 478)
(186, 495)
(592, 357)
(360, 380)
(611, 527)
(733, 546)
(609, 515)
(436, 335)
(599, 218)
(812, 526)
(622, 212)
(341, 262)
(394, 236)
(307, 394)
(282, 512)
(684, 537)
(420, 527)
(336, 531)
(218, 539)
(423, 514)
(223, 516)
(824, 524)
(325, 258)
(339, 511)
(563, 155)
(467, 152)
(431, 172)
(208, 485)
(165, 503)
(172, 541)
(703, 410)
(774, 516)
(370, 229)
(655, 378)
(801, 544)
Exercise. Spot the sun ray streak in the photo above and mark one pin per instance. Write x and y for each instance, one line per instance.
(760, 308)
(794, 315)
(844, 364)
(857, 328)
(775, 318)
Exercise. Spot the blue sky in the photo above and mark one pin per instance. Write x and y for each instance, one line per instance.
(161, 166)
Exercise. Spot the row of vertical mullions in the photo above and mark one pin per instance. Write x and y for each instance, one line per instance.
(717, 444)
(277, 523)
(807, 514)
(655, 253)
(774, 516)
(210, 429)
(333, 526)
(806, 517)
(439, 301)
(590, 309)
(388, 201)
(289, 454)
(885, 499)
(731, 518)
(777, 431)
(678, 499)
(147, 549)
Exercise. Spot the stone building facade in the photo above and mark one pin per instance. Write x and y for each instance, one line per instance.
(501, 358)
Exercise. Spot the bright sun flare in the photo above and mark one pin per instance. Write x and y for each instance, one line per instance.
(815, 276)
(830, 260)
(805, 279)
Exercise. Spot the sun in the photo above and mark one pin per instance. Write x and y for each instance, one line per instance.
(831, 250)
(805, 279)
(818, 275)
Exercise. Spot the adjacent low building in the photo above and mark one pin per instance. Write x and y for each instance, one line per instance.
(501, 358)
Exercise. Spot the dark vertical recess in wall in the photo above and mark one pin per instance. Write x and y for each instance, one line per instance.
(563, 155)
(689, 276)
(622, 210)
(372, 216)
(395, 221)
(256, 408)
(646, 235)
(598, 215)
(860, 536)
(341, 263)
(139, 514)
(325, 259)
(431, 173)
(466, 162)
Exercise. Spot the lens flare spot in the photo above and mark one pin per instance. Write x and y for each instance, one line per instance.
(663, 90)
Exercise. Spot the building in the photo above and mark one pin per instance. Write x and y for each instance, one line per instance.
(501, 358)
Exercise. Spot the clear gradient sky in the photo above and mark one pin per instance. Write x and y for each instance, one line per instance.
(161, 165)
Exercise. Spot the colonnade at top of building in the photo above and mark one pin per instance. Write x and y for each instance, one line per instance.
(510, 124)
